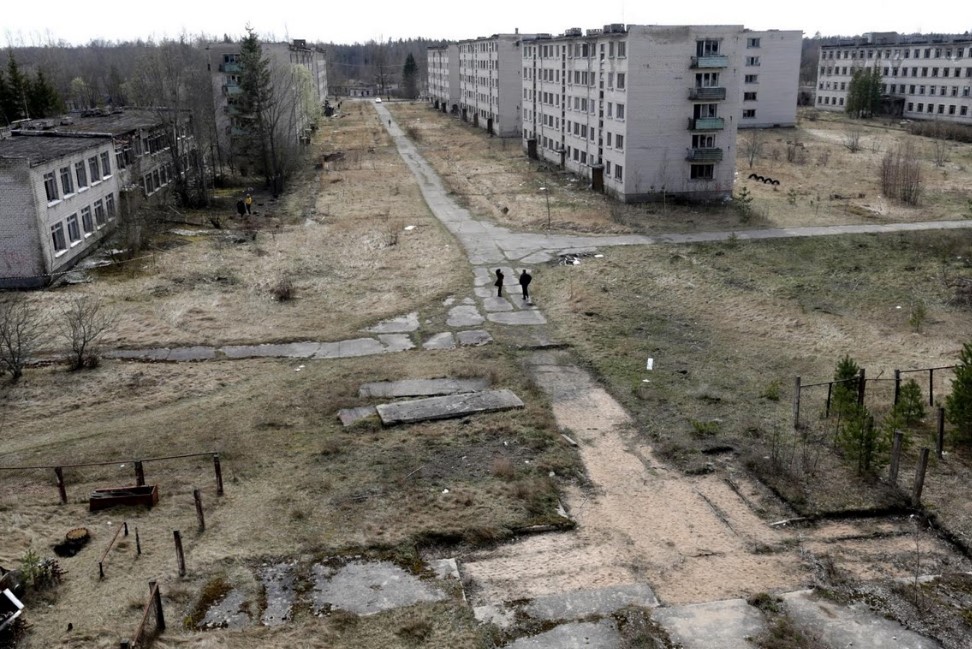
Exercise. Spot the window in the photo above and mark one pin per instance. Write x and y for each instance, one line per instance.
(749, 113)
(752, 61)
(749, 96)
(86, 223)
(752, 42)
(110, 206)
(82, 173)
(618, 172)
(707, 47)
(702, 141)
(622, 49)
(619, 111)
(619, 142)
(620, 84)
(67, 184)
(50, 186)
(74, 232)
(93, 168)
(703, 172)
(752, 78)
(57, 236)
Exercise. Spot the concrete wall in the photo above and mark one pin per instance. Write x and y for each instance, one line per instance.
(443, 75)
(21, 252)
(778, 78)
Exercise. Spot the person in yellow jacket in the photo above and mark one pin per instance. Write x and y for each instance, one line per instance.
(249, 202)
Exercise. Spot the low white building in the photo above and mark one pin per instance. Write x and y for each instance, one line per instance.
(59, 198)
(642, 111)
(922, 76)
(490, 82)
(443, 76)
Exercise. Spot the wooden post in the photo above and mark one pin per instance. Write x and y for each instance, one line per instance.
(157, 596)
(199, 510)
(138, 543)
(139, 474)
(896, 456)
(861, 386)
(219, 474)
(101, 570)
(920, 477)
(796, 403)
(830, 395)
(180, 555)
(61, 487)
(897, 386)
(126, 528)
(931, 387)
(940, 440)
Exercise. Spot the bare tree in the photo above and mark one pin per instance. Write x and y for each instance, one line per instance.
(852, 139)
(939, 144)
(754, 145)
(901, 174)
(22, 330)
(83, 322)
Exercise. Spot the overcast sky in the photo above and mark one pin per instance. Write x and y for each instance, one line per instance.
(351, 21)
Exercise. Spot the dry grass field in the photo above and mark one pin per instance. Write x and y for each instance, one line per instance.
(298, 485)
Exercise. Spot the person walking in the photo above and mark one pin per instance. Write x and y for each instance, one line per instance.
(249, 202)
(525, 279)
(241, 207)
(499, 283)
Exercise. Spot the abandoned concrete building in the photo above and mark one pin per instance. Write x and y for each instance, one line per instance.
(641, 111)
(443, 76)
(922, 76)
(66, 184)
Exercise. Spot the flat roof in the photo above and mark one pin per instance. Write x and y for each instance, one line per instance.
(113, 123)
(37, 149)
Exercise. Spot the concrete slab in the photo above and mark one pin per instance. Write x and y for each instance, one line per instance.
(446, 569)
(464, 315)
(474, 338)
(444, 340)
(484, 276)
(350, 348)
(457, 405)
(449, 301)
(196, 353)
(537, 258)
(402, 324)
(714, 625)
(468, 301)
(581, 635)
(582, 603)
(369, 588)
(229, 613)
(278, 583)
(396, 342)
(519, 318)
(351, 416)
(497, 304)
(850, 625)
(485, 291)
(420, 388)
(284, 350)
(159, 354)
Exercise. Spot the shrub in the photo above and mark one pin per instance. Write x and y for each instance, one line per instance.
(864, 444)
(911, 404)
(83, 322)
(958, 404)
(845, 387)
(284, 290)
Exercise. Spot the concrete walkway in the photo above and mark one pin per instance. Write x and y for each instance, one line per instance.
(612, 553)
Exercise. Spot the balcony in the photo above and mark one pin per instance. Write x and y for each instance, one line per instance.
(710, 61)
(706, 123)
(704, 155)
(229, 90)
(230, 68)
(707, 93)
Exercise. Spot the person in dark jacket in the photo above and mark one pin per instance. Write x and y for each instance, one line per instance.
(525, 279)
(499, 283)
(241, 207)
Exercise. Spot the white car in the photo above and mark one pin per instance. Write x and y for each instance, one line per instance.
(377, 100)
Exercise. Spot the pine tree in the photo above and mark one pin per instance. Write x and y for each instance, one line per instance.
(42, 99)
(864, 93)
(17, 85)
(958, 404)
(256, 96)
(4, 101)
(410, 78)
(845, 387)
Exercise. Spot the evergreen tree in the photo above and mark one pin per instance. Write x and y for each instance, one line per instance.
(864, 93)
(16, 90)
(845, 387)
(958, 404)
(256, 94)
(4, 101)
(410, 78)
(42, 99)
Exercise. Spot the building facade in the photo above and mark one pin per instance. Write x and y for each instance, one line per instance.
(285, 61)
(922, 77)
(443, 77)
(59, 198)
(490, 83)
(641, 111)
(771, 79)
